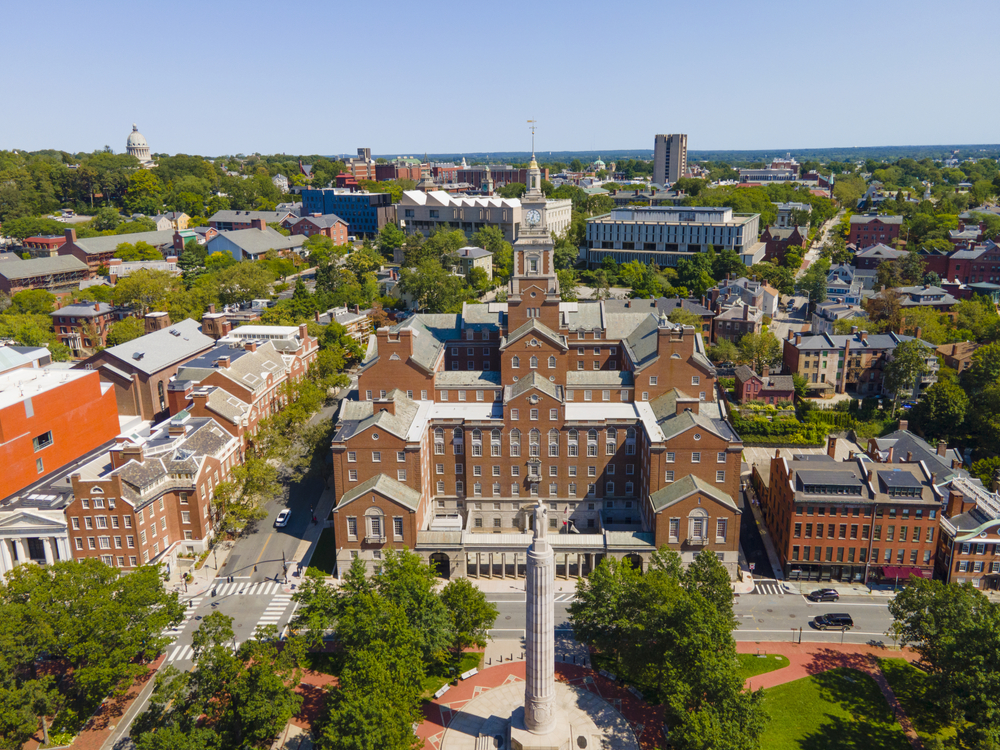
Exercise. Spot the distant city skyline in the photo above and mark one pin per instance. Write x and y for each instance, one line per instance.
(733, 77)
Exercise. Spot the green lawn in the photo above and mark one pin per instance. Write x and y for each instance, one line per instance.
(325, 555)
(842, 709)
(752, 665)
(908, 683)
(437, 676)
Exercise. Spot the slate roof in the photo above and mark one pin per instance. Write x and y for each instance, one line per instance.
(162, 348)
(473, 252)
(903, 442)
(83, 310)
(431, 331)
(26, 269)
(685, 487)
(361, 418)
(107, 244)
(468, 378)
(880, 251)
(386, 486)
(257, 242)
(246, 368)
(537, 327)
(533, 380)
(598, 378)
(830, 341)
(324, 221)
(865, 219)
(642, 342)
(245, 217)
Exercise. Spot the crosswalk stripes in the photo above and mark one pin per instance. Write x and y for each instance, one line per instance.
(186, 653)
(565, 598)
(768, 588)
(275, 610)
(245, 588)
(188, 614)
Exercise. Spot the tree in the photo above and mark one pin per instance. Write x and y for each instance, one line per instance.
(472, 616)
(941, 412)
(724, 351)
(32, 302)
(364, 260)
(759, 349)
(106, 219)
(848, 189)
(602, 287)
(408, 582)
(390, 239)
(683, 317)
(144, 194)
(568, 288)
(907, 362)
(99, 622)
(139, 251)
(478, 279)
(434, 289)
(801, 384)
(813, 281)
(885, 309)
(512, 190)
(144, 290)
(985, 367)
(125, 330)
(242, 699)
(242, 282)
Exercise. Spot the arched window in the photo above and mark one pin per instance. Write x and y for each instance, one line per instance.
(611, 441)
(574, 443)
(374, 523)
(534, 441)
(163, 400)
(698, 524)
(553, 442)
(458, 441)
(552, 362)
(477, 436)
(573, 436)
(630, 433)
(592, 436)
(534, 361)
(515, 362)
(515, 442)
(477, 442)
(439, 441)
(612, 433)
(457, 435)
(592, 443)
(495, 442)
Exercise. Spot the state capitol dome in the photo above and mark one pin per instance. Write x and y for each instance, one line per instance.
(136, 145)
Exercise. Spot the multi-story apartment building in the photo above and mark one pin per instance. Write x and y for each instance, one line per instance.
(150, 498)
(850, 520)
(427, 212)
(84, 328)
(665, 234)
(97, 251)
(52, 273)
(331, 226)
(464, 422)
(365, 213)
(856, 360)
(870, 229)
(231, 221)
(969, 550)
(670, 153)
(475, 257)
(357, 322)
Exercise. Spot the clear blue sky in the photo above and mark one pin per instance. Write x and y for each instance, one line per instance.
(221, 77)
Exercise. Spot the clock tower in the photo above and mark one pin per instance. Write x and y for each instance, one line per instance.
(534, 286)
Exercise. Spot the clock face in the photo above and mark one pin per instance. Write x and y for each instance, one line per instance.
(533, 217)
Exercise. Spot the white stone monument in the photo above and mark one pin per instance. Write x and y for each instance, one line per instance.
(552, 716)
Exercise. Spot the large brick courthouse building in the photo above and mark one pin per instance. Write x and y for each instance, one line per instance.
(604, 411)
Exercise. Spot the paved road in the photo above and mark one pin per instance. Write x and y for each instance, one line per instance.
(764, 615)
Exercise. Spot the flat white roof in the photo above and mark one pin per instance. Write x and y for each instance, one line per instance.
(466, 410)
(272, 332)
(18, 385)
(597, 412)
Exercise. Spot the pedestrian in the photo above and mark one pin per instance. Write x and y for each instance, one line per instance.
(314, 519)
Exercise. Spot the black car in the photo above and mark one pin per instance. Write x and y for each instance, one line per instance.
(833, 622)
(824, 595)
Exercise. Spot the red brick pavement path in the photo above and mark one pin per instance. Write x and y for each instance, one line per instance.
(97, 731)
(644, 718)
(807, 659)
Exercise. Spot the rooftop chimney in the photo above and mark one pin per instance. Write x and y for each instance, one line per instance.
(250, 346)
(257, 224)
(942, 448)
(831, 446)
(222, 361)
(765, 370)
(903, 424)
(909, 457)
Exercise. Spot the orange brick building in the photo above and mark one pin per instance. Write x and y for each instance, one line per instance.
(603, 411)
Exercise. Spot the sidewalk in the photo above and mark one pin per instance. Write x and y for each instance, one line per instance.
(203, 578)
(765, 536)
(439, 713)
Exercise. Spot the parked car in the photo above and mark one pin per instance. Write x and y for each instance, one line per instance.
(282, 519)
(824, 595)
(833, 622)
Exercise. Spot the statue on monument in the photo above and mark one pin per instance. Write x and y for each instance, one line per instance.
(541, 522)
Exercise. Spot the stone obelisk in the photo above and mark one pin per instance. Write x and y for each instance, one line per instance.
(540, 647)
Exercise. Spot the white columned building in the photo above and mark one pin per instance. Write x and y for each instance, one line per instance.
(33, 530)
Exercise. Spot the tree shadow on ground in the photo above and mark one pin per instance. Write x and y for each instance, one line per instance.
(838, 733)
(826, 659)
(915, 694)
